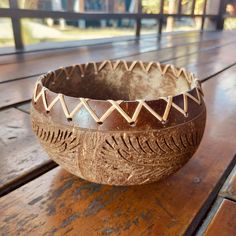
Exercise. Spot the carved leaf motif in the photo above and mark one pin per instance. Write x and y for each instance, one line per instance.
(150, 151)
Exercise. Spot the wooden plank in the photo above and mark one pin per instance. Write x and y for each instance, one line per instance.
(51, 46)
(224, 222)
(229, 188)
(210, 215)
(204, 60)
(116, 42)
(21, 90)
(34, 64)
(16, 91)
(204, 63)
(20, 153)
(25, 107)
(60, 203)
(37, 64)
(166, 40)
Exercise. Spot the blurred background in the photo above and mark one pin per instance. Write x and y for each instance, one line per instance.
(44, 22)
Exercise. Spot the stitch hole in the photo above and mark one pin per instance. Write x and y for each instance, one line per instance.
(100, 122)
(47, 111)
(186, 114)
(164, 122)
(132, 124)
(69, 119)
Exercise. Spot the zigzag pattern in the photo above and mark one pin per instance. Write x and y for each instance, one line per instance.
(115, 105)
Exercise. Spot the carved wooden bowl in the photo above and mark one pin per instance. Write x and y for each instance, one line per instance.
(118, 122)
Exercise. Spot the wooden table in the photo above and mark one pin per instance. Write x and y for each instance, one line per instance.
(40, 198)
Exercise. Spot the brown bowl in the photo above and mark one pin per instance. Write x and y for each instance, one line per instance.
(118, 122)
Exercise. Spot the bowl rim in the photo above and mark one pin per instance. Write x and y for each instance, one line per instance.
(190, 77)
(192, 80)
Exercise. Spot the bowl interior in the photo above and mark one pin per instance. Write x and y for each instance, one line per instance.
(103, 82)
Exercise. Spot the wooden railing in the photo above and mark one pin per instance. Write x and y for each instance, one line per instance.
(17, 14)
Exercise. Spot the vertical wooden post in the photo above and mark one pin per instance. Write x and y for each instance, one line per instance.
(218, 8)
(161, 17)
(81, 22)
(193, 7)
(110, 6)
(110, 9)
(138, 19)
(81, 5)
(171, 20)
(179, 6)
(203, 15)
(16, 27)
(221, 13)
(70, 4)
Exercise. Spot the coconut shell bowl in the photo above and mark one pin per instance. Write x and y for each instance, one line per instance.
(118, 122)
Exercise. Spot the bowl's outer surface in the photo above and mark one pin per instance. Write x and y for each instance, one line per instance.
(119, 157)
(119, 142)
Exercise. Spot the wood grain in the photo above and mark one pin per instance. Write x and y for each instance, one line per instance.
(12, 55)
(59, 203)
(20, 152)
(197, 58)
(229, 188)
(13, 92)
(167, 40)
(204, 63)
(34, 64)
(224, 222)
(16, 91)
(25, 107)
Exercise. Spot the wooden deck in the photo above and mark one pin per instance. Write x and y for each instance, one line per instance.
(40, 198)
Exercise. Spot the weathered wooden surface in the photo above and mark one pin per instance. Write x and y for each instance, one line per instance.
(229, 188)
(25, 107)
(150, 42)
(16, 91)
(193, 36)
(12, 92)
(34, 64)
(20, 154)
(203, 61)
(50, 46)
(37, 63)
(59, 203)
(224, 222)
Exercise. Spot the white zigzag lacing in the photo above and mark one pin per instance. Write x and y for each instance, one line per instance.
(115, 105)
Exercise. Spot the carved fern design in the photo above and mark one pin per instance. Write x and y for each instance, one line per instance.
(151, 151)
(120, 157)
(59, 142)
(149, 158)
